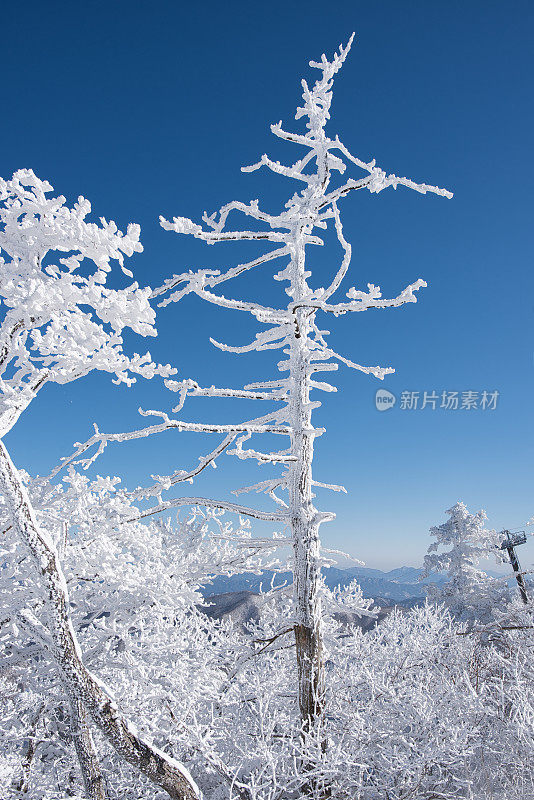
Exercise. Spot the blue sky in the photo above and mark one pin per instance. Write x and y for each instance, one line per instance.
(151, 108)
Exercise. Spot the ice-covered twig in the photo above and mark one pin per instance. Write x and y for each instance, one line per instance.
(334, 487)
(166, 482)
(101, 440)
(261, 486)
(280, 169)
(378, 372)
(178, 502)
(273, 338)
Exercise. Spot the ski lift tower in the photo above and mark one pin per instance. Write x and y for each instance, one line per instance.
(510, 543)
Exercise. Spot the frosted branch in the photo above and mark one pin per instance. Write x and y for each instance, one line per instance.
(235, 271)
(263, 458)
(180, 476)
(213, 391)
(378, 372)
(263, 314)
(361, 301)
(212, 237)
(275, 166)
(262, 486)
(332, 486)
(212, 277)
(273, 338)
(268, 516)
(101, 440)
(346, 257)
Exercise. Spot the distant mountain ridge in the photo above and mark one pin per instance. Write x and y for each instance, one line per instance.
(396, 585)
(238, 597)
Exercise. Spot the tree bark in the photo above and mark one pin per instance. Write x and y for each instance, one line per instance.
(93, 780)
(81, 686)
(307, 576)
(304, 518)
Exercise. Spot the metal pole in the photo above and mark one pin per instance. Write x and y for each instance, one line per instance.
(509, 545)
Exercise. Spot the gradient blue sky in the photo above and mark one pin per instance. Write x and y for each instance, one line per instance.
(151, 108)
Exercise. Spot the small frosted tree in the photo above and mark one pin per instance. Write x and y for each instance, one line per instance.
(469, 593)
(293, 328)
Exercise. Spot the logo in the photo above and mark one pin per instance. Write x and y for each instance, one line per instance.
(384, 400)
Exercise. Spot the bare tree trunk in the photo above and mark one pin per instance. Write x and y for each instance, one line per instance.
(81, 686)
(93, 780)
(305, 520)
(307, 575)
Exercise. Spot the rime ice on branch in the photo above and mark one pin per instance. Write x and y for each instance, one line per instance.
(294, 329)
(59, 319)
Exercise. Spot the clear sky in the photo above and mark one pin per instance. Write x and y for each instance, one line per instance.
(151, 108)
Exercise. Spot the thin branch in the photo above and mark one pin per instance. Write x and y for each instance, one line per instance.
(165, 482)
(269, 516)
(279, 169)
(214, 277)
(272, 336)
(237, 393)
(103, 439)
(346, 257)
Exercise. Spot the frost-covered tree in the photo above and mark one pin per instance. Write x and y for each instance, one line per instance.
(293, 328)
(60, 321)
(469, 592)
(133, 589)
